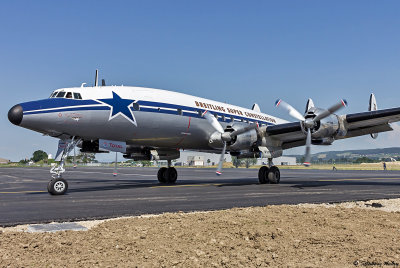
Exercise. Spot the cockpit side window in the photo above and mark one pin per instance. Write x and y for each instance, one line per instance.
(69, 95)
(53, 95)
(77, 96)
(60, 94)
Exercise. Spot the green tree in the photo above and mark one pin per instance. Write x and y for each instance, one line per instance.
(146, 163)
(85, 158)
(364, 160)
(24, 161)
(236, 162)
(39, 155)
(250, 162)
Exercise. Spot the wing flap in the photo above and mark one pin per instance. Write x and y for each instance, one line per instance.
(365, 131)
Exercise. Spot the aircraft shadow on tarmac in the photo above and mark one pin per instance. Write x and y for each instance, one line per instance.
(217, 183)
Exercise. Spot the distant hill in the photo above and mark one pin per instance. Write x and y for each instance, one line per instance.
(376, 154)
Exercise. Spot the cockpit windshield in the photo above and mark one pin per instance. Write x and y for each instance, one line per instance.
(66, 95)
(60, 94)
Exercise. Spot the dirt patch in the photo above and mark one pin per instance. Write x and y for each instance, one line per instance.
(290, 236)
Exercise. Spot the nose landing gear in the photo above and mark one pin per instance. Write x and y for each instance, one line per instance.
(58, 185)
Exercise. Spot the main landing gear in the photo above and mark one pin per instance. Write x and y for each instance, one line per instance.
(167, 175)
(269, 174)
(57, 185)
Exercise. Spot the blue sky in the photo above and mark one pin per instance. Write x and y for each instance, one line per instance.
(240, 52)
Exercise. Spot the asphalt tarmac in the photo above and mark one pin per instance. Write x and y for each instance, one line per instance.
(95, 194)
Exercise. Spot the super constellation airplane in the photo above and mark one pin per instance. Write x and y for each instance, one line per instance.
(146, 123)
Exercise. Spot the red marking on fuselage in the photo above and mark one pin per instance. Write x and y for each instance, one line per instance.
(181, 140)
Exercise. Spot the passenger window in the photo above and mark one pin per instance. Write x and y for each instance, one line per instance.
(77, 96)
(60, 94)
(180, 111)
(69, 95)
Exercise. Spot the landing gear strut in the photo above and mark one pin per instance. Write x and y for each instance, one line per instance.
(167, 175)
(57, 185)
(269, 174)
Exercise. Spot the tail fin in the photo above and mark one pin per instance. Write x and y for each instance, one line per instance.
(310, 104)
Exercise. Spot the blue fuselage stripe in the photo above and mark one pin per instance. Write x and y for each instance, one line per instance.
(44, 106)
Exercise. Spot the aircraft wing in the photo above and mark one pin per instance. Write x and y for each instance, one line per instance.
(370, 122)
(291, 135)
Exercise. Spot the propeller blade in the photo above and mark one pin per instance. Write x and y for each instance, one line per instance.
(307, 160)
(213, 121)
(331, 110)
(221, 160)
(292, 111)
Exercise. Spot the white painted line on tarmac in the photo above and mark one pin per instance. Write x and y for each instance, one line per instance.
(124, 174)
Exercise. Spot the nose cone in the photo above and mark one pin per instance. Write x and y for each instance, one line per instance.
(15, 114)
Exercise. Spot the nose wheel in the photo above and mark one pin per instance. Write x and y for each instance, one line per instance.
(57, 186)
(270, 175)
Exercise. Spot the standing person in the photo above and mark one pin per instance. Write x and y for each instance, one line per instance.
(334, 167)
(384, 165)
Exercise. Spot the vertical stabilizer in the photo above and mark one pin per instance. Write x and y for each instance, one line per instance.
(373, 107)
(309, 105)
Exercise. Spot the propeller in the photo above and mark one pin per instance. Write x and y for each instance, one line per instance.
(225, 136)
(309, 123)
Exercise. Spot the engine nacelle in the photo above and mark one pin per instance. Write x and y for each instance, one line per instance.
(240, 142)
(327, 127)
(244, 141)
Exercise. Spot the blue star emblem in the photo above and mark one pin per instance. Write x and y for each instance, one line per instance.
(119, 106)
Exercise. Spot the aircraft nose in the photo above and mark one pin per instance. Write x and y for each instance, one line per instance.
(15, 114)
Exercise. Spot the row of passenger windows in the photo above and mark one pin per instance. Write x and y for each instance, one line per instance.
(223, 117)
(66, 95)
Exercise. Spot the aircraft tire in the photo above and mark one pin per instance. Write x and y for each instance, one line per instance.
(262, 175)
(171, 175)
(274, 175)
(161, 175)
(57, 186)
